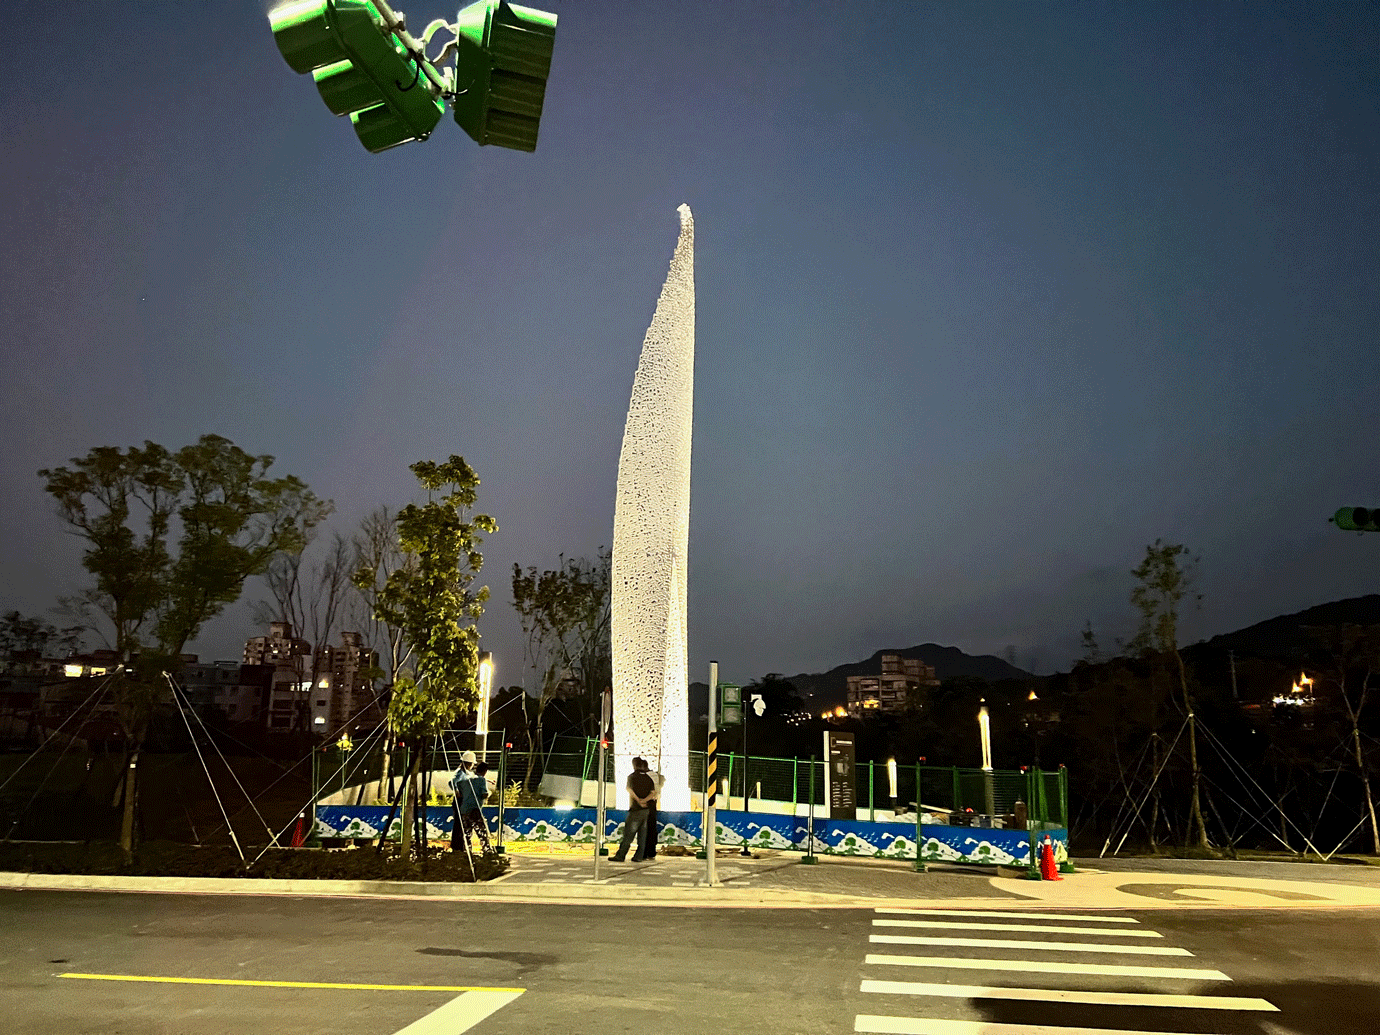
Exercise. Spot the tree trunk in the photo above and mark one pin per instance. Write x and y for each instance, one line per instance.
(384, 792)
(1195, 808)
(410, 804)
(1365, 784)
(534, 746)
(1155, 791)
(131, 797)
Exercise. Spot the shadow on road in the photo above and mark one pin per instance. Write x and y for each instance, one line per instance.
(526, 961)
(1306, 1008)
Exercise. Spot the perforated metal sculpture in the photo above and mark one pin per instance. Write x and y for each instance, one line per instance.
(651, 527)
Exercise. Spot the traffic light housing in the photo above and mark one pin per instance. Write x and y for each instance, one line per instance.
(1357, 519)
(500, 72)
(360, 67)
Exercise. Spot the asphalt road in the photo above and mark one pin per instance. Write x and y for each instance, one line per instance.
(630, 969)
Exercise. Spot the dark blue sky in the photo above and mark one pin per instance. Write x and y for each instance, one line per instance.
(990, 296)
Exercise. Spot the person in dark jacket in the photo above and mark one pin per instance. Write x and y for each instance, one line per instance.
(649, 841)
(641, 792)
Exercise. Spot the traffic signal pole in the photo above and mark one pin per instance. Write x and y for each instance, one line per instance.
(397, 23)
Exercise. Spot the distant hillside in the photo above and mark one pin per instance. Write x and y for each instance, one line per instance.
(948, 662)
(1283, 638)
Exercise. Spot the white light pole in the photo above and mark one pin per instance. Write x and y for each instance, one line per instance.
(988, 778)
(985, 729)
(486, 679)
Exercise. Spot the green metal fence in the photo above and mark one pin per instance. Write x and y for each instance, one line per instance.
(950, 794)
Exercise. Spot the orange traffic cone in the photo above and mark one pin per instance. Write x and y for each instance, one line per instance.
(298, 835)
(1049, 869)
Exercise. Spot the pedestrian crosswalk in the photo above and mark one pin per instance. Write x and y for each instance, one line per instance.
(978, 972)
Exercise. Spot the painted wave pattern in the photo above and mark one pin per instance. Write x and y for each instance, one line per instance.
(787, 833)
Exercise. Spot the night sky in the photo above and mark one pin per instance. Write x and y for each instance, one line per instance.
(990, 296)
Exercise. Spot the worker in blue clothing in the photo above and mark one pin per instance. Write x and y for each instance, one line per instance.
(470, 790)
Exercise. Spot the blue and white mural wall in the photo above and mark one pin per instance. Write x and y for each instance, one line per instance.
(758, 830)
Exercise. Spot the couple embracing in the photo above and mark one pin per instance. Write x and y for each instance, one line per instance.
(644, 787)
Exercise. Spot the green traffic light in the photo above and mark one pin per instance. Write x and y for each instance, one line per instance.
(360, 67)
(501, 71)
(1357, 519)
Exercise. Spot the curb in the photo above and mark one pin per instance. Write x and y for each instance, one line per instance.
(587, 895)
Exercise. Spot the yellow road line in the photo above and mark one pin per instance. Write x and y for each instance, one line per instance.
(290, 984)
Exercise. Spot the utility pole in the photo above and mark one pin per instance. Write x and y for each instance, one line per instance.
(1231, 656)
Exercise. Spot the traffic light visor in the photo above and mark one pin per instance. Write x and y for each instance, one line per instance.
(1358, 519)
(502, 67)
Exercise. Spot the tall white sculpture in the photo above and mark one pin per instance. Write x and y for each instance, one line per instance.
(651, 533)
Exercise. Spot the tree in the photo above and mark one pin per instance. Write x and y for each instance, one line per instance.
(24, 637)
(1163, 579)
(429, 600)
(1354, 656)
(565, 615)
(170, 540)
(310, 598)
(377, 556)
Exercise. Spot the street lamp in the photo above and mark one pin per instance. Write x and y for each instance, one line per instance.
(988, 778)
(486, 679)
(985, 729)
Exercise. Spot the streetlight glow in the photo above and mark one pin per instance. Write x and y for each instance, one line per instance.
(486, 678)
(985, 728)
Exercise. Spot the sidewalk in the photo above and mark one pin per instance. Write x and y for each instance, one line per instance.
(782, 881)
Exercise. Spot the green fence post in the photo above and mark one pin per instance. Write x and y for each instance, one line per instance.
(919, 866)
(1063, 779)
(312, 840)
(795, 786)
(502, 792)
(958, 793)
(1032, 868)
(729, 795)
(872, 790)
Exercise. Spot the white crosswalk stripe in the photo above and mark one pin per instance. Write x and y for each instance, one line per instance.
(987, 914)
(1085, 988)
(1067, 995)
(922, 1026)
(1047, 967)
(945, 925)
(1011, 943)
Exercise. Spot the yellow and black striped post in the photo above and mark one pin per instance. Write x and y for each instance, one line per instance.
(711, 769)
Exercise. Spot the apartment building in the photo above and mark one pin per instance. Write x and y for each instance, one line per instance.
(889, 690)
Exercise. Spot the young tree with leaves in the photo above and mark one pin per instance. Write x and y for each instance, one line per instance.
(1163, 579)
(429, 599)
(170, 540)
